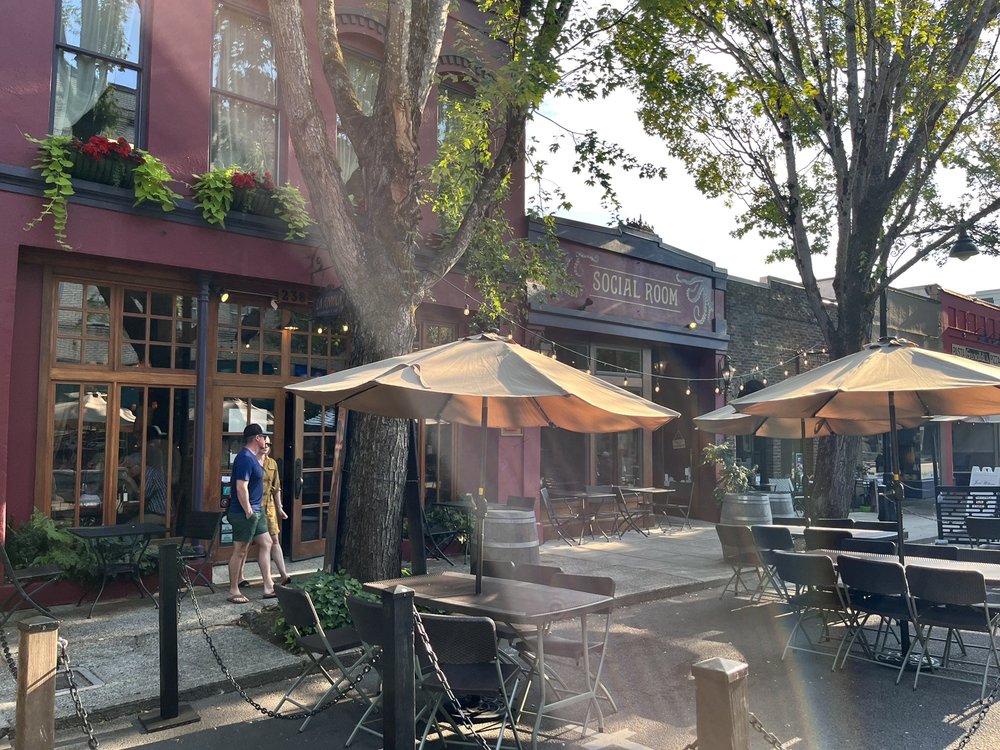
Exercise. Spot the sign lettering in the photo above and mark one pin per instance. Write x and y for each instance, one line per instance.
(990, 358)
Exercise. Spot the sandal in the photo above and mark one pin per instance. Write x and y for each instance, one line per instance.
(237, 599)
(272, 595)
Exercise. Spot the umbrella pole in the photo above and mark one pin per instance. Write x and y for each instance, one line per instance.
(481, 499)
(896, 491)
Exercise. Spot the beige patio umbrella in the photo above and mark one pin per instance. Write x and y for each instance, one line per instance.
(489, 381)
(728, 421)
(92, 411)
(891, 380)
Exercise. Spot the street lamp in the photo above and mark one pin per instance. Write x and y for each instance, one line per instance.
(964, 247)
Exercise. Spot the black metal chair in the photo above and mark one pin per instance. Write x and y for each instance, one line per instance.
(27, 583)
(817, 594)
(320, 646)
(590, 645)
(465, 649)
(559, 513)
(978, 555)
(790, 521)
(935, 551)
(768, 539)
(875, 525)
(873, 546)
(636, 516)
(199, 526)
(739, 550)
(983, 531)
(676, 504)
(874, 587)
(955, 600)
(834, 523)
(824, 538)
(498, 568)
(600, 506)
(531, 573)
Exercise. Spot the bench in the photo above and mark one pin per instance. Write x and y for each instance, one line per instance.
(955, 503)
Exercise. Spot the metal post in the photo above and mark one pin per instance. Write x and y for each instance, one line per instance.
(887, 511)
(170, 713)
(201, 397)
(721, 698)
(34, 722)
(398, 700)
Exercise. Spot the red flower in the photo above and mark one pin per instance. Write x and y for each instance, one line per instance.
(245, 180)
(97, 147)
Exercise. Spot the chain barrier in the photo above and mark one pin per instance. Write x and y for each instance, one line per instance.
(7, 656)
(986, 704)
(352, 684)
(771, 739)
(74, 692)
(418, 625)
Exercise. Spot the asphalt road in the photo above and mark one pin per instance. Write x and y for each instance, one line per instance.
(652, 649)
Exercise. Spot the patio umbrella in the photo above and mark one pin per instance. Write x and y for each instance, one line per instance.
(489, 381)
(891, 380)
(728, 421)
(93, 411)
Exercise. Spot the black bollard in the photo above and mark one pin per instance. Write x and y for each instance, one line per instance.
(170, 713)
(398, 699)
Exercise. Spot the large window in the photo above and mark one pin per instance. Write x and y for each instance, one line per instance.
(364, 77)
(249, 339)
(98, 69)
(244, 92)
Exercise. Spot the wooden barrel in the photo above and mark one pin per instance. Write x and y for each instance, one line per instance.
(509, 535)
(781, 504)
(746, 509)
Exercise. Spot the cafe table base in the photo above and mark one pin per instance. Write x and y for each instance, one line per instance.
(111, 562)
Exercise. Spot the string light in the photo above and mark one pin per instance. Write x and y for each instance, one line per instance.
(717, 389)
(466, 312)
(656, 388)
(345, 328)
(319, 329)
(626, 380)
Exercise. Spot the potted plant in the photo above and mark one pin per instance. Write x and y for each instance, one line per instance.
(220, 191)
(98, 159)
(732, 488)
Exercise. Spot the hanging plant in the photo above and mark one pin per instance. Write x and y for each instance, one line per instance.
(220, 191)
(98, 159)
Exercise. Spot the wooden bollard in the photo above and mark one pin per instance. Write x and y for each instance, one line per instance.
(721, 697)
(35, 715)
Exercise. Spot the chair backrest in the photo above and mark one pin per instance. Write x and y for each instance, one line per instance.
(875, 546)
(737, 542)
(498, 568)
(885, 577)
(458, 639)
(600, 585)
(805, 570)
(961, 587)
(202, 524)
(520, 502)
(531, 573)
(297, 608)
(936, 551)
(980, 527)
(366, 617)
(824, 538)
(979, 555)
(8, 569)
(875, 525)
(835, 523)
(772, 537)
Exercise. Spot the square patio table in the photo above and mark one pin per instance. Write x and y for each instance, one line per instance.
(137, 537)
(515, 603)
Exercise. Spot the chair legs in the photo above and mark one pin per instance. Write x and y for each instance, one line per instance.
(347, 674)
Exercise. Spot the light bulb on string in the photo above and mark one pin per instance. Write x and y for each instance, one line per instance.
(765, 381)
(786, 372)
(741, 387)
(626, 380)
(656, 388)
(687, 391)
(466, 311)
(319, 329)
(716, 390)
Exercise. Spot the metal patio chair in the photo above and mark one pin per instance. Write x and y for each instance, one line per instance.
(739, 550)
(768, 539)
(560, 515)
(27, 583)
(199, 526)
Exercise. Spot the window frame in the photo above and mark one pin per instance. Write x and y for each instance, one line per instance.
(141, 67)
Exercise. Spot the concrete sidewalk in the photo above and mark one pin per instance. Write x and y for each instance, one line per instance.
(119, 647)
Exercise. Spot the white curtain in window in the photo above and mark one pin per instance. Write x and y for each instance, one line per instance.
(108, 27)
(364, 78)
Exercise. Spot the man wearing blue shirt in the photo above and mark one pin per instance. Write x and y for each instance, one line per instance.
(248, 522)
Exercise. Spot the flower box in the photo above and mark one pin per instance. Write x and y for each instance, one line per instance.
(106, 171)
(255, 201)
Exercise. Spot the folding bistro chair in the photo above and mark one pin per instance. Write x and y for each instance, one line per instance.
(874, 588)
(817, 594)
(200, 525)
(677, 504)
(955, 600)
(983, 531)
(834, 523)
(26, 582)
(768, 539)
(560, 515)
(825, 538)
(873, 546)
(322, 645)
(466, 652)
(631, 516)
(740, 551)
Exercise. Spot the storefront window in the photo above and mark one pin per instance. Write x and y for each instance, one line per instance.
(319, 439)
(80, 442)
(159, 330)
(249, 339)
(617, 361)
(83, 323)
(318, 347)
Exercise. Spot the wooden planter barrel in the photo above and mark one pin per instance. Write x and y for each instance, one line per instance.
(746, 509)
(509, 535)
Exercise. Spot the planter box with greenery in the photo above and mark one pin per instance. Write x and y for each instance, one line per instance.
(99, 159)
(219, 192)
(329, 593)
(732, 489)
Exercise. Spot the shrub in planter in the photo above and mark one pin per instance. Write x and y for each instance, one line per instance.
(329, 593)
(218, 192)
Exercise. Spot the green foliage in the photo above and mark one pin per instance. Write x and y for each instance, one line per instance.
(440, 519)
(151, 178)
(54, 161)
(40, 542)
(329, 594)
(733, 477)
(213, 194)
(292, 210)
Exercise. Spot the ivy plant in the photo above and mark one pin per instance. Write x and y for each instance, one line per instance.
(329, 592)
(213, 194)
(54, 161)
(151, 178)
(292, 210)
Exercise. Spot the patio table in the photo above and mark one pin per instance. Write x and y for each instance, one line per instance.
(990, 571)
(651, 493)
(515, 603)
(798, 532)
(136, 537)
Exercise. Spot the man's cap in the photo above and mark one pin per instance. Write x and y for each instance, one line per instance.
(251, 431)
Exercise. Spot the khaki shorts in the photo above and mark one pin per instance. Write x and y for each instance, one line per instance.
(247, 529)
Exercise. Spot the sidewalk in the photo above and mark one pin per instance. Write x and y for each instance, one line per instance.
(119, 647)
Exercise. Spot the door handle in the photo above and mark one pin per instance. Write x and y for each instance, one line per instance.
(297, 481)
